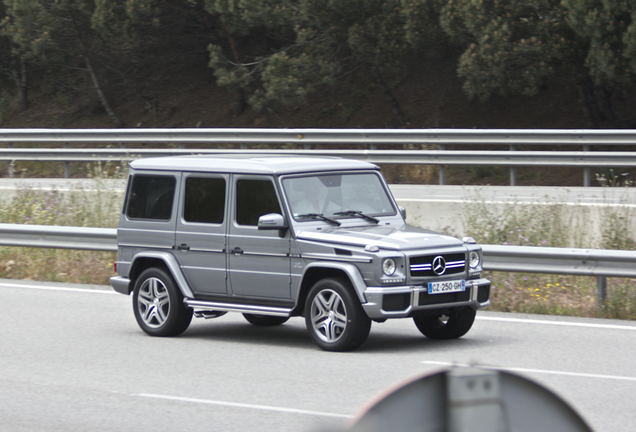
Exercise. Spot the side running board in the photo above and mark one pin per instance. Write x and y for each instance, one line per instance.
(233, 307)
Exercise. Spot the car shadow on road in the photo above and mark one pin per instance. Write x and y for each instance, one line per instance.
(286, 334)
(294, 334)
(413, 343)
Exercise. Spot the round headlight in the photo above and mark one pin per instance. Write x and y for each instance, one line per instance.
(388, 266)
(473, 259)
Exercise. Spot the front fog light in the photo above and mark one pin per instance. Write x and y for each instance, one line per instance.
(473, 259)
(388, 266)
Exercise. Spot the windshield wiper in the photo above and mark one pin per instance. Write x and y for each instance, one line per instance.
(357, 213)
(319, 216)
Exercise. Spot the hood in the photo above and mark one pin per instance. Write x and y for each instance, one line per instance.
(385, 237)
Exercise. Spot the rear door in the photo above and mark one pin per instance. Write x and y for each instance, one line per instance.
(201, 231)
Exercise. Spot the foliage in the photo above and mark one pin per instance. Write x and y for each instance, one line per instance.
(549, 224)
(271, 52)
(311, 43)
(607, 27)
(512, 47)
(94, 204)
(520, 224)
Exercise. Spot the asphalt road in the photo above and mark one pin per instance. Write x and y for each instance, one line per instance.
(73, 359)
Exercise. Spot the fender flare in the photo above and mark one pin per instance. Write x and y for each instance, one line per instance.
(352, 272)
(173, 267)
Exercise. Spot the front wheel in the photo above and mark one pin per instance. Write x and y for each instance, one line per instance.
(450, 324)
(265, 320)
(334, 317)
(158, 304)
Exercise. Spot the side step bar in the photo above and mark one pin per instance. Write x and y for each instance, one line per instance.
(242, 308)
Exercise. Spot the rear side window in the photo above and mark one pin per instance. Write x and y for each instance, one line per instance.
(151, 197)
(204, 200)
(254, 198)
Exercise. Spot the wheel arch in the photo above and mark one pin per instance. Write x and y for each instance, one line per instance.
(146, 260)
(320, 270)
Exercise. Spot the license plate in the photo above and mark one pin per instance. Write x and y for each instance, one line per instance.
(446, 287)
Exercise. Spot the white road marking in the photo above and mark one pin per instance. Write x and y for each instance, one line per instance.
(557, 323)
(479, 317)
(53, 288)
(537, 371)
(243, 405)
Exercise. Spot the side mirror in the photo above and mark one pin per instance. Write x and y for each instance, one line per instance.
(402, 212)
(271, 221)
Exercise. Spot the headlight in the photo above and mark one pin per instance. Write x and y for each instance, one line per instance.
(473, 259)
(388, 266)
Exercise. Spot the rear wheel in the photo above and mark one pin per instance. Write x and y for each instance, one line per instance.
(158, 304)
(334, 317)
(448, 324)
(265, 320)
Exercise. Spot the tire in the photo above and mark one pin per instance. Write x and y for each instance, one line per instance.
(334, 317)
(158, 304)
(450, 324)
(265, 320)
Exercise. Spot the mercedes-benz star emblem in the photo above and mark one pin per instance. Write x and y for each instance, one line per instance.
(439, 265)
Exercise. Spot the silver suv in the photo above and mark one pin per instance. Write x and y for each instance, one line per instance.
(274, 237)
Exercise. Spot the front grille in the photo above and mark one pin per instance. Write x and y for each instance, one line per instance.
(423, 266)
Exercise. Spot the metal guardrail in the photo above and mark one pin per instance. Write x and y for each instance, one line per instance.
(600, 263)
(517, 259)
(59, 237)
(328, 136)
(303, 139)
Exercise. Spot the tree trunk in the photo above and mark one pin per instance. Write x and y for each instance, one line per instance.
(398, 114)
(239, 102)
(589, 101)
(608, 108)
(19, 74)
(91, 71)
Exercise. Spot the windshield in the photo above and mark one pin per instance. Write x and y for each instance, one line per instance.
(337, 196)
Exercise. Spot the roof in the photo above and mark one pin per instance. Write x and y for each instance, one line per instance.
(250, 164)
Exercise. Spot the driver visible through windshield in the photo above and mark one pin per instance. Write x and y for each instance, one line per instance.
(333, 196)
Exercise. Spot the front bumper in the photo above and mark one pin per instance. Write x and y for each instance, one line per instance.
(405, 301)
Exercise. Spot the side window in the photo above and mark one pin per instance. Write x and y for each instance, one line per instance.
(204, 200)
(151, 197)
(254, 198)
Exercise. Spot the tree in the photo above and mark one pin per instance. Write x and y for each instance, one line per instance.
(53, 33)
(606, 26)
(289, 49)
(516, 47)
(511, 47)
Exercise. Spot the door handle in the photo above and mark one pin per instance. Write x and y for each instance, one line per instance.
(183, 247)
(237, 251)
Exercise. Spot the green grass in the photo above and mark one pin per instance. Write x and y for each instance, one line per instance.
(553, 224)
(97, 207)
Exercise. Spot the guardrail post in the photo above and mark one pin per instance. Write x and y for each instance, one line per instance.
(601, 286)
(513, 170)
(586, 170)
(11, 169)
(67, 165)
(442, 170)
